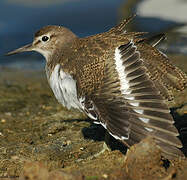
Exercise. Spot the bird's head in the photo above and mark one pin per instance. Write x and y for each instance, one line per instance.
(47, 40)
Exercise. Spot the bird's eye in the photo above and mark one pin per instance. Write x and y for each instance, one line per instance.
(45, 38)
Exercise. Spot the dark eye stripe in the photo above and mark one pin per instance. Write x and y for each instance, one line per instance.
(37, 42)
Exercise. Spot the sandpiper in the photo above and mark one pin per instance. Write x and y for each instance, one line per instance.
(117, 78)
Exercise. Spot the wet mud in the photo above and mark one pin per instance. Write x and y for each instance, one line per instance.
(39, 139)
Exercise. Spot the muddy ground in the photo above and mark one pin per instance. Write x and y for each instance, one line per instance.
(39, 139)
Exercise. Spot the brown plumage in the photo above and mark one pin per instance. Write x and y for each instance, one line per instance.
(118, 78)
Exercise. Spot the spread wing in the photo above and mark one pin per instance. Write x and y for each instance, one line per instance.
(154, 40)
(167, 77)
(129, 105)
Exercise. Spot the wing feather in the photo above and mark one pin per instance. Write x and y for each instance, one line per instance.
(129, 105)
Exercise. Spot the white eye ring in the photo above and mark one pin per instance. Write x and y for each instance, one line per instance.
(45, 38)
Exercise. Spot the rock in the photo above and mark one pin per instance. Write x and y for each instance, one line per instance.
(60, 175)
(143, 161)
(34, 171)
(37, 171)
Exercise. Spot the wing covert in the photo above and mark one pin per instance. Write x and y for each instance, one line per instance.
(129, 105)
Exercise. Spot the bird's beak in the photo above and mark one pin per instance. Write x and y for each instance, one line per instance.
(25, 48)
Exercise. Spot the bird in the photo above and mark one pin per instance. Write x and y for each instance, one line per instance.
(119, 79)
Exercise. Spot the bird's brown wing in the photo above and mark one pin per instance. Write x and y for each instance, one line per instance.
(167, 77)
(129, 105)
(154, 40)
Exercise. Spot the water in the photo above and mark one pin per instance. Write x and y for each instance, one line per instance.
(20, 19)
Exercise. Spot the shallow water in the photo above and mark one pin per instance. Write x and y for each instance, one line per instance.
(20, 19)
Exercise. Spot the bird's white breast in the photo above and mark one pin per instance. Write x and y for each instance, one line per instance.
(64, 87)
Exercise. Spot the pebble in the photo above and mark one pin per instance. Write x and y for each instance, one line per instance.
(105, 176)
(68, 142)
(27, 113)
(8, 114)
(14, 157)
(3, 120)
(65, 143)
(49, 135)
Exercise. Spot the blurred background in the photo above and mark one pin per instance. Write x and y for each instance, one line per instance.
(19, 19)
